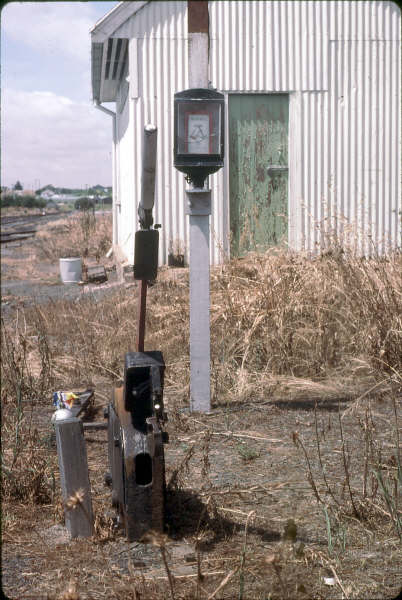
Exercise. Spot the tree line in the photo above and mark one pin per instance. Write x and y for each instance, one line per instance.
(26, 201)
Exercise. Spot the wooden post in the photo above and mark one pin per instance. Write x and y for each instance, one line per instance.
(199, 210)
(74, 478)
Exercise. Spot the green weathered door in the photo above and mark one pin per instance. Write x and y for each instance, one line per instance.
(258, 174)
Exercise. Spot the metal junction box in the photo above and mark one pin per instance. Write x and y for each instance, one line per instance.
(135, 444)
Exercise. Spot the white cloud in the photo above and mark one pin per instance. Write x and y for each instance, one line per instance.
(51, 135)
(54, 27)
(52, 138)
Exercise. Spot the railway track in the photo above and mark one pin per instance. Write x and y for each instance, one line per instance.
(22, 227)
(15, 236)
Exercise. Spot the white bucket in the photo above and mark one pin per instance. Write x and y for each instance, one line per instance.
(70, 270)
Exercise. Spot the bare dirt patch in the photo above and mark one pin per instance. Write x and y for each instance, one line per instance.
(30, 270)
(235, 467)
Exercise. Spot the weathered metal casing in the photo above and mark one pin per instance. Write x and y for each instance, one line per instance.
(146, 254)
(143, 385)
(115, 451)
(136, 454)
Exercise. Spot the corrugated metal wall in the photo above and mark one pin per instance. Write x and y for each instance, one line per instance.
(340, 64)
(125, 178)
(268, 46)
(161, 31)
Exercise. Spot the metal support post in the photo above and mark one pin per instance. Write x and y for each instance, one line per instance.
(142, 306)
(74, 478)
(199, 210)
(146, 239)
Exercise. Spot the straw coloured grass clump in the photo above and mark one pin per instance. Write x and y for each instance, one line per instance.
(280, 323)
(84, 234)
(27, 468)
(286, 315)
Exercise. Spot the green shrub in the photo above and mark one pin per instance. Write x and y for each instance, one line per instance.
(84, 203)
(26, 201)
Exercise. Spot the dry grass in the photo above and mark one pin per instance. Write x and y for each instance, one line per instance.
(75, 235)
(28, 473)
(18, 211)
(333, 319)
(293, 338)
(328, 327)
(85, 235)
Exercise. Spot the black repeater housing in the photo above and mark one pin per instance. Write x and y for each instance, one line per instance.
(198, 133)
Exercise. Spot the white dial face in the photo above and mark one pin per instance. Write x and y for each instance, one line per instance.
(198, 134)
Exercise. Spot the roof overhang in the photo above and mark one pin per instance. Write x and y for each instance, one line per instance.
(109, 53)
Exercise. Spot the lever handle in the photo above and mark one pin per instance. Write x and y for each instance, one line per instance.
(272, 169)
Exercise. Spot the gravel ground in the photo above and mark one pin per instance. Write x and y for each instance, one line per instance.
(39, 282)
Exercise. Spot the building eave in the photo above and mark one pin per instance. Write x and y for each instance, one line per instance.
(104, 88)
(107, 25)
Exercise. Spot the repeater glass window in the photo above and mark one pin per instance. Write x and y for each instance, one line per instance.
(199, 128)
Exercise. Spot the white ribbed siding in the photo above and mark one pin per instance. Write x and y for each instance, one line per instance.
(161, 32)
(268, 46)
(364, 156)
(125, 179)
(340, 64)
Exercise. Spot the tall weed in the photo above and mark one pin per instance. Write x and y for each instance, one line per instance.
(290, 315)
(83, 234)
(26, 467)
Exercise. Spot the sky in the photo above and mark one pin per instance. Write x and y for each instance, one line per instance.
(50, 131)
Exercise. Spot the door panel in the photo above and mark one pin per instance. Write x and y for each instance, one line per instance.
(258, 174)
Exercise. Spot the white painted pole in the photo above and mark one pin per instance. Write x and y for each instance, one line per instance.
(199, 210)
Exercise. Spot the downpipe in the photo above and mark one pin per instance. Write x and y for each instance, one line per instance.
(98, 105)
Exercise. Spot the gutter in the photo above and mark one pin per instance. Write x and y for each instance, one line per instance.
(98, 105)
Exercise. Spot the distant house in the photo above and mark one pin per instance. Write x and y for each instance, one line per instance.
(313, 120)
(46, 194)
(63, 198)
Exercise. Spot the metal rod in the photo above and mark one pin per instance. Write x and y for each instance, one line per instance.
(89, 426)
(142, 307)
